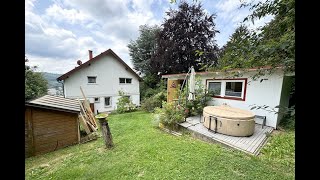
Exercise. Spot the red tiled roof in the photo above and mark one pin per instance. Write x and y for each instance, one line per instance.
(88, 63)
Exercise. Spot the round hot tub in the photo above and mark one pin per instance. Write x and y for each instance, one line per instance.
(228, 120)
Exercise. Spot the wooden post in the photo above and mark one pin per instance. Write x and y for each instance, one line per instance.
(106, 133)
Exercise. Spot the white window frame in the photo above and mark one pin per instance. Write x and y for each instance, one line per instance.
(110, 102)
(223, 88)
(242, 89)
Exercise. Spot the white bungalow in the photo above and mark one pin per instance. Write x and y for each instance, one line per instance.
(243, 92)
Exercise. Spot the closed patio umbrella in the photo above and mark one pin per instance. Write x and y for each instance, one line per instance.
(192, 84)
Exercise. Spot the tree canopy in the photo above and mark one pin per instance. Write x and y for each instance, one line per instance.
(35, 84)
(142, 49)
(236, 53)
(187, 30)
(274, 46)
(277, 45)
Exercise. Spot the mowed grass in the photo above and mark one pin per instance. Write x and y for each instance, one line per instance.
(142, 151)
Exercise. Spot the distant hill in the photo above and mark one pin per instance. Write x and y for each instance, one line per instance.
(52, 80)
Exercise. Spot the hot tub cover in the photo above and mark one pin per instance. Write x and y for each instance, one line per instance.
(225, 111)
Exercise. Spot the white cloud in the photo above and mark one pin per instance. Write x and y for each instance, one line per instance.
(230, 16)
(63, 32)
(100, 9)
(29, 4)
(228, 6)
(49, 64)
(259, 22)
(142, 5)
(61, 14)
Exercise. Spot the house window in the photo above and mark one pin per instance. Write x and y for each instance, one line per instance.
(234, 89)
(92, 79)
(107, 101)
(96, 100)
(228, 88)
(122, 80)
(128, 81)
(215, 88)
(125, 80)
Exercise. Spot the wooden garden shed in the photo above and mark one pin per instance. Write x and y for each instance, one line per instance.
(51, 123)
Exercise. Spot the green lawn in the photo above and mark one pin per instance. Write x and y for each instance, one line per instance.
(143, 151)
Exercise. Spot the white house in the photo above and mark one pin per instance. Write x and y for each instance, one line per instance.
(101, 78)
(244, 92)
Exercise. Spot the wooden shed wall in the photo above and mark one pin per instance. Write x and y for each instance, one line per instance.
(49, 130)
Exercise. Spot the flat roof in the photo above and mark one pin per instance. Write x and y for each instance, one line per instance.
(221, 71)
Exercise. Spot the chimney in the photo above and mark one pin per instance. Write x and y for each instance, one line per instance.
(90, 54)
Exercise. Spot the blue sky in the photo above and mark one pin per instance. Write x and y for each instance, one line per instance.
(58, 33)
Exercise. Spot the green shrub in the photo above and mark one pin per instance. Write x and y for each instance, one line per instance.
(151, 103)
(148, 91)
(288, 122)
(125, 104)
(195, 107)
(169, 115)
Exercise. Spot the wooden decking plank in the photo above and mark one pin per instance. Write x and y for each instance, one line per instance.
(256, 147)
(257, 141)
(235, 140)
(251, 144)
(255, 136)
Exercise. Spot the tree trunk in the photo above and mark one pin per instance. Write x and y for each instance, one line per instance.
(106, 133)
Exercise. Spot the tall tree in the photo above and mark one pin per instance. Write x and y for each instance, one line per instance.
(237, 52)
(35, 84)
(187, 30)
(273, 46)
(276, 46)
(143, 48)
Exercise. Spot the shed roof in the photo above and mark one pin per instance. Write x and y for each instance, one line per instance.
(56, 103)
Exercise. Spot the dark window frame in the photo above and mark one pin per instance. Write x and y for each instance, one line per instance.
(110, 103)
(125, 80)
(95, 79)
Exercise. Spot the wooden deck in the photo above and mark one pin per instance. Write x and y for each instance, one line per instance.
(251, 144)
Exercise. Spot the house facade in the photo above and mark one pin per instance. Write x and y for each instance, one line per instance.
(243, 92)
(101, 78)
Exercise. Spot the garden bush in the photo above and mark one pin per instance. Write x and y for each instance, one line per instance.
(151, 103)
(169, 115)
(195, 107)
(125, 104)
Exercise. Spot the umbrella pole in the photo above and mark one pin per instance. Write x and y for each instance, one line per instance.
(187, 94)
(183, 85)
(185, 107)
